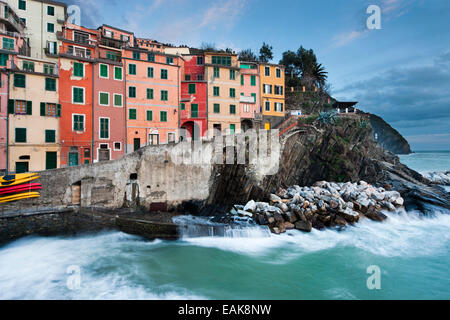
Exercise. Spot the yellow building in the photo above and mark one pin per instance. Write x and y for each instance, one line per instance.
(34, 111)
(272, 94)
(222, 75)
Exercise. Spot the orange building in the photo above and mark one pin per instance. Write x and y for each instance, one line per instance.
(272, 94)
(152, 97)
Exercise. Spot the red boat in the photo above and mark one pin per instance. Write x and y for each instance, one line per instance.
(21, 188)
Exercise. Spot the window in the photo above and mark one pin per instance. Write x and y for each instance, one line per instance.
(80, 37)
(163, 116)
(50, 27)
(50, 109)
(278, 107)
(24, 21)
(22, 5)
(149, 93)
(112, 56)
(78, 69)
(200, 77)
(267, 105)
(50, 84)
(183, 106)
(199, 61)
(253, 80)
(132, 114)
(279, 90)
(151, 57)
(224, 61)
(78, 122)
(278, 73)
(232, 109)
(87, 153)
(104, 98)
(254, 97)
(132, 69)
(78, 95)
(242, 79)
(117, 146)
(232, 128)
(187, 77)
(21, 107)
(53, 48)
(51, 11)
(232, 93)
(216, 108)
(3, 59)
(50, 136)
(19, 80)
(163, 74)
(192, 88)
(232, 74)
(150, 72)
(267, 71)
(267, 88)
(171, 137)
(149, 115)
(164, 95)
(104, 128)
(104, 71)
(132, 92)
(49, 69)
(136, 55)
(117, 73)
(21, 135)
(8, 44)
(216, 91)
(169, 60)
(216, 72)
(194, 110)
(117, 100)
(28, 66)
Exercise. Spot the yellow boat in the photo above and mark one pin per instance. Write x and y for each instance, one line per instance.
(18, 176)
(21, 180)
(20, 196)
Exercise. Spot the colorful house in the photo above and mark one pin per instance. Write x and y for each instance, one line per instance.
(34, 111)
(250, 105)
(223, 78)
(109, 119)
(76, 63)
(272, 94)
(194, 88)
(153, 97)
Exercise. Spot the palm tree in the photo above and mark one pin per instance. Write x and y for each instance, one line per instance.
(319, 74)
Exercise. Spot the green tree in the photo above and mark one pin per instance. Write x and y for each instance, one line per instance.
(247, 55)
(265, 53)
(319, 75)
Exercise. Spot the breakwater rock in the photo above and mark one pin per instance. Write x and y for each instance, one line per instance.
(442, 178)
(324, 205)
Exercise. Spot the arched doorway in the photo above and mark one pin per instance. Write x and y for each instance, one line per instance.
(191, 131)
(246, 125)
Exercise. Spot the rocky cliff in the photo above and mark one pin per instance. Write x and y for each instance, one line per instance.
(389, 138)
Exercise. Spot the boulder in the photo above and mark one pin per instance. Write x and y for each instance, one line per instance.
(349, 215)
(399, 202)
(303, 226)
(289, 226)
(375, 215)
(338, 220)
(243, 213)
(282, 206)
(275, 230)
(261, 220)
(278, 217)
(275, 198)
(389, 206)
(250, 206)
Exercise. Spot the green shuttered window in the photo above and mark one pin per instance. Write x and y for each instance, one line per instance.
(117, 73)
(163, 116)
(78, 69)
(232, 109)
(149, 115)
(50, 84)
(104, 71)
(78, 95)
(191, 88)
(19, 81)
(164, 95)
(132, 69)
(21, 135)
(164, 74)
(216, 91)
(104, 128)
(78, 122)
(150, 72)
(132, 92)
(132, 114)
(232, 93)
(104, 99)
(150, 94)
(117, 100)
(50, 136)
(216, 108)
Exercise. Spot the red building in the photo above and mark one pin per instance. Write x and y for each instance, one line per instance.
(76, 63)
(193, 114)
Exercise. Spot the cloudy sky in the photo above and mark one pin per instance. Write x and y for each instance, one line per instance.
(400, 72)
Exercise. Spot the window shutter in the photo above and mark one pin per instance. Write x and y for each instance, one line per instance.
(43, 109)
(29, 107)
(11, 106)
(58, 110)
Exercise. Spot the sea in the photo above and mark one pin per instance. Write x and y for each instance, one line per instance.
(405, 257)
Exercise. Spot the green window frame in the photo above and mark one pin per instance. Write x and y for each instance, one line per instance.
(50, 10)
(50, 136)
(216, 91)
(187, 77)
(50, 27)
(78, 95)
(164, 95)
(253, 80)
(136, 55)
(216, 108)
(149, 115)
(21, 135)
(199, 61)
(164, 74)
(267, 71)
(104, 71)
(183, 106)
(267, 105)
(169, 60)
(28, 66)
(151, 57)
(232, 128)
(49, 69)
(150, 72)
(254, 96)
(132, 114)
(19, 81)
(191, 88)
(132, 69)
(194, 110)
(216, 72)
(103, 98)
(78, 122)
(132, 92)
(232, 93)
(78, 69)
(118, 100)
(22, 5)
(232, 75)
(232, 109)
(278, 73)
(118, 73)
(50, 84)
(104, 128)
(8, 44)
(163, 116)
(221, 60)
(242, 79)
(150, 94)
(4, 59)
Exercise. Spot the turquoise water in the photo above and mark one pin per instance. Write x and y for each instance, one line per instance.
(411, 251)
(427, 161)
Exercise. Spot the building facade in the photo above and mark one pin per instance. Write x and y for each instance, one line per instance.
(223, 78)
(250, 102)
(272, 94)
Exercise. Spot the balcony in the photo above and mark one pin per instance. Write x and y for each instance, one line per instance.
(247, 99)
(258, 116)
(8, 16)
(79, 52)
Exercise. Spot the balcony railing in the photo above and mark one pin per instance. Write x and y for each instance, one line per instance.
(247, 99)
(13, 20)
(76, 52)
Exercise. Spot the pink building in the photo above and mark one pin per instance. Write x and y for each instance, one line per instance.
(250, 95)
